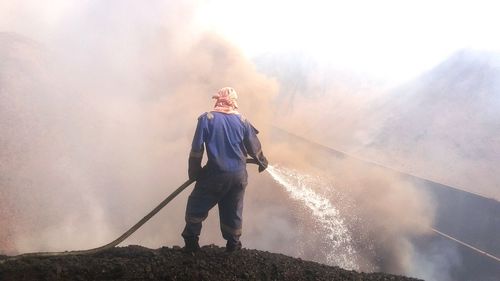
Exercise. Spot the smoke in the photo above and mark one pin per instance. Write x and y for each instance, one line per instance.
(437, 263)
(326, 104)
(393, 211)
(98, 106)
(383, 211)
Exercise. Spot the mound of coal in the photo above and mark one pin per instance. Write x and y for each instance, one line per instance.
(211, 263)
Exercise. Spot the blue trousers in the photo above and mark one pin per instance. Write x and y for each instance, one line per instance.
(227, 191)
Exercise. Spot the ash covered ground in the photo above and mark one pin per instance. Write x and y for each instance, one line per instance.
(211, 263)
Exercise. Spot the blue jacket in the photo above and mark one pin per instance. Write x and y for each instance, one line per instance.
(228, 139)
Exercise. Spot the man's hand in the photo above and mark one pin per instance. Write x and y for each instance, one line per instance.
(263, 164)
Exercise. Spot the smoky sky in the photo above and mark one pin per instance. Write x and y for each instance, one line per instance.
(97, 116)
(99, 102)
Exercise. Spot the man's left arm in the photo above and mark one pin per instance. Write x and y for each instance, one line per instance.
(254, 147)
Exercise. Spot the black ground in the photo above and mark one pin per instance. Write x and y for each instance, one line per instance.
(211, 263)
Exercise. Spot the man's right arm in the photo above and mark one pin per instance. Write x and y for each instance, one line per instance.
(197, 150)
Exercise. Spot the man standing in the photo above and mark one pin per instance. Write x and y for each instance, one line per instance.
(228, 138)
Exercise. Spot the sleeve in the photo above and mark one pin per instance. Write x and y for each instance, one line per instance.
(253, 146)
(197, 150)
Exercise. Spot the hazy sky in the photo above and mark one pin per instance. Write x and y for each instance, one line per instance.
(392, 40)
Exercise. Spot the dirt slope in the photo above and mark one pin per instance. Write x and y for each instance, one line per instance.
(211, 263)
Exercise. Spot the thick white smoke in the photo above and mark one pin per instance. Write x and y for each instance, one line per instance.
(98, 105)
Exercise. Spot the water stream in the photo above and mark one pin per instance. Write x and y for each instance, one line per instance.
(326, 216)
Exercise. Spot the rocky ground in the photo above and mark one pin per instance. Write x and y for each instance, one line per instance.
(211, 263)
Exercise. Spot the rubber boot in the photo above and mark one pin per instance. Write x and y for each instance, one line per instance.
(192, 245)
(232, 247)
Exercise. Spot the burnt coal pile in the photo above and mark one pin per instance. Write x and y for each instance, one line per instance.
(211, 263)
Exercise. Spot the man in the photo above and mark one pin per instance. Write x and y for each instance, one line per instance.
(228, 138)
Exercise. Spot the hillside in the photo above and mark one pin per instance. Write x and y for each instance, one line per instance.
(445, 124)
(211, 263)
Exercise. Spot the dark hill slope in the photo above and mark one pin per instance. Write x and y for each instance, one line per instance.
(211, 263)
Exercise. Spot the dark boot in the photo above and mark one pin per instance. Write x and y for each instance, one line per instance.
(191, 245)
(232, 247)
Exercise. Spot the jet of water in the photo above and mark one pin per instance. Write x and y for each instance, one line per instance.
(338, 238)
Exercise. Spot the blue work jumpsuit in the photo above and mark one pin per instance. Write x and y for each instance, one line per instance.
(228, 139)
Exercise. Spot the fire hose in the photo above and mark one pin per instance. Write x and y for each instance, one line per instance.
(125, 235)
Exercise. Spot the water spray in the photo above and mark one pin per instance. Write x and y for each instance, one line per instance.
(340, 251)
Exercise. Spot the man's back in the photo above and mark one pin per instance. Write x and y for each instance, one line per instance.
(228, 139)
(224, 141)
